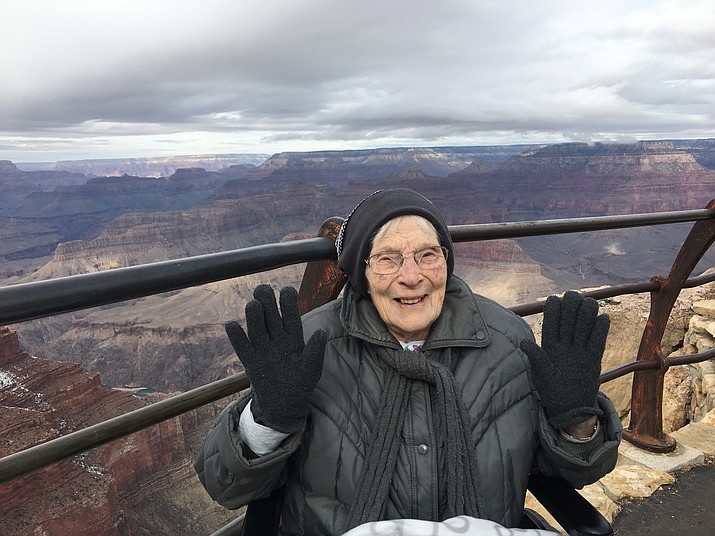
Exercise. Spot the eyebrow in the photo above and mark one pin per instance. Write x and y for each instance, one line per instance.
(400, 250)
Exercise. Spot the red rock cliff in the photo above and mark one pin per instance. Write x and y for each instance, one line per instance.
(141, 484)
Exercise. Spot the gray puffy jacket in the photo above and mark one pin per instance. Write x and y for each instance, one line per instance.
(322, 464)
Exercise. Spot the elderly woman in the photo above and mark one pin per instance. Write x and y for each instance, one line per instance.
(413, 397)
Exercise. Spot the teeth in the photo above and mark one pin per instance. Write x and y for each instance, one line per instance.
(410, 302)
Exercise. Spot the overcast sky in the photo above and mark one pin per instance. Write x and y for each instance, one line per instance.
(130, 78)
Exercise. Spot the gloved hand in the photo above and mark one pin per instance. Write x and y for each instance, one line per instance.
(283, 369)
(567, 366)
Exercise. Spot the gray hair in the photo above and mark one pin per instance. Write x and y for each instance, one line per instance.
(423, 223)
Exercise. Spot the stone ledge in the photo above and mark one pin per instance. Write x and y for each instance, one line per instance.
(633, 481)
(639, 473)
(682, 456)
(697, 435)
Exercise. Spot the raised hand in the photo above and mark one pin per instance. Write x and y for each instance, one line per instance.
(567, 366)
(283, 369)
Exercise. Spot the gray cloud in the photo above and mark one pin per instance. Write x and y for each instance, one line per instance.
(110, 78)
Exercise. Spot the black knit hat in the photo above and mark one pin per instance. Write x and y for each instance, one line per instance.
(355, 239)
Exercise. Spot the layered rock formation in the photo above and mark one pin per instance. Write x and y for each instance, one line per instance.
(155, 166)
(176, 341)
(580, 180)
(703, 150)
(15, 183)
(177, 334)
(27, 240)
(41, 217)
(141, 484)
(502, 271)
(339, 166)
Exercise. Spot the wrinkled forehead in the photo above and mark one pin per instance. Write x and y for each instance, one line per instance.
(405, 232)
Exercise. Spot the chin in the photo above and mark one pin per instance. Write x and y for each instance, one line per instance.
(411, 333)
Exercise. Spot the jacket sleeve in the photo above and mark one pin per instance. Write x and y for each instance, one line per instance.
(232, 478)
(552, 460)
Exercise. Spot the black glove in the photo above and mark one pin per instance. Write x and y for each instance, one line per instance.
(567, 366)
(283, 369)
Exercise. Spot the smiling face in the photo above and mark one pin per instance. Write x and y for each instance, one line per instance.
(410, 300)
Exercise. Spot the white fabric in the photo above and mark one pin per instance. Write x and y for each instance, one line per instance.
(412, 345)
(463, 525)
(260, 439)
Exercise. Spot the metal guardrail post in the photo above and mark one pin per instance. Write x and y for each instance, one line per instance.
(646, 426)
(323, 279)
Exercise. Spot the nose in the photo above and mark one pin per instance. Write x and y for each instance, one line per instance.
(410, 273)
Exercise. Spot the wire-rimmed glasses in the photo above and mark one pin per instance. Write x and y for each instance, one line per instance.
(390, 262)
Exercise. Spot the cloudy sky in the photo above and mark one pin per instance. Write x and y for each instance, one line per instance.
(129, 78)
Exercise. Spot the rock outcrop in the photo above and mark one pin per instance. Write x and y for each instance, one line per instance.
(141, 484)
(340, 166)
(38, 215)
(16, 183)
(689, 390)
(571, 180)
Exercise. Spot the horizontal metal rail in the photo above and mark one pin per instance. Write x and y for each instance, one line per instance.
(527, 309)
(29, 301)
(492, 231)
(656, 364)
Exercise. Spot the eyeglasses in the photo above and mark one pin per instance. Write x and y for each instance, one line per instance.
(390, 262)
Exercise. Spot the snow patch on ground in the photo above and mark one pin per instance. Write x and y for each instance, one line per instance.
(6, 379)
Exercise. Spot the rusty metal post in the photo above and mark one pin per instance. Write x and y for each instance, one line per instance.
(646, 426)
(322, 280)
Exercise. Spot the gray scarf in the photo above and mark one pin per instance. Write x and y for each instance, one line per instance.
(458, 482)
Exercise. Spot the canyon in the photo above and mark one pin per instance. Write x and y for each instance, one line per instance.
(175, 341)
(141, 484)
(62, 373)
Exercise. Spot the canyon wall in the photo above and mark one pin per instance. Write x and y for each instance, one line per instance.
(141, 484)
(175, 341)
(155, 166)
(144, 484)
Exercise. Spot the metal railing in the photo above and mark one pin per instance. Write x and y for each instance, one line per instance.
(34, 300)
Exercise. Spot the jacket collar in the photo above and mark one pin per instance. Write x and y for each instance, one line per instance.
(459, 324)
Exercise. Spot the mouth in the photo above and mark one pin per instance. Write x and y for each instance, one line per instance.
(411, 301)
